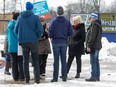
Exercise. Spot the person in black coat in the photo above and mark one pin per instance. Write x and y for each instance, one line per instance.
(76, 45)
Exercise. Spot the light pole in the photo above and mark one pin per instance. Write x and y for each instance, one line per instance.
(3, 9)
(3, 13)
(99, 9)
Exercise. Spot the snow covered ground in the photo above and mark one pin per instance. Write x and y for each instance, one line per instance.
(107, 63)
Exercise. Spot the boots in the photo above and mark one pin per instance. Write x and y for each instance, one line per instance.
(8, 65)
(7, 71)
(77, 75)
(42, 76)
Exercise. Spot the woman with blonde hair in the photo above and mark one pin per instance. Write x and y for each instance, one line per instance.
(76, 46)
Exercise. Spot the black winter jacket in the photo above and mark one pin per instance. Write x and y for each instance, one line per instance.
(94, 35)
(76, 46)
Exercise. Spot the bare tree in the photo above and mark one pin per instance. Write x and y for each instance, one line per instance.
(11, 5)
(53, 13)
(113, 7)
(108, 8)
(85, 6)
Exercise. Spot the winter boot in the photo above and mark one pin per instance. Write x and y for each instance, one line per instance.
(8, 65)
(77, 75)
(42, 76)
(7, 71)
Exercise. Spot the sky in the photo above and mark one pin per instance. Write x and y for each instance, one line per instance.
(55, 3)
(51, 3)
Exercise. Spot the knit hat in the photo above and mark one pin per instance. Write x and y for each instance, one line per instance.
(29, 6)
(60, 10)
(94, 15)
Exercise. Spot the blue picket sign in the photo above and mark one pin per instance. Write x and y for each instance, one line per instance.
(41, 7)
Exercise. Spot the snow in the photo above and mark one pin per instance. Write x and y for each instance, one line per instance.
(107, 63)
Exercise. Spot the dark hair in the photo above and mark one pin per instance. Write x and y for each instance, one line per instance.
(60, 10)
(42, 19)
(15, 15)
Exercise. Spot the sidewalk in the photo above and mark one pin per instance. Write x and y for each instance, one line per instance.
(108, 76)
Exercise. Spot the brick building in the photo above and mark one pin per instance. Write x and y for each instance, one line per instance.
(4, 22)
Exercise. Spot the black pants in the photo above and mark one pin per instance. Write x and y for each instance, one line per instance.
(43, 61)
(17, 66)
(33, 48)
(78, 62)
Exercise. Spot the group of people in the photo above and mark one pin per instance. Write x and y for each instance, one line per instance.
(31, 32)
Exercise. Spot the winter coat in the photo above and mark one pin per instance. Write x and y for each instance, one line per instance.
(60, 29)
(44, 44)
(28, 27)
(12, 38)
(94, 35)
(76, 45)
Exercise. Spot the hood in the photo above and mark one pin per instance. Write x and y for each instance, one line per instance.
(60, 18)
(26, 14)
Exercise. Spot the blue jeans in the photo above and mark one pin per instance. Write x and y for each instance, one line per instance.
(95, 66)
(8, 57)
(33, 48)
(59, 50)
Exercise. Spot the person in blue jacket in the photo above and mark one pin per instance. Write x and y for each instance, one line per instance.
(60, 30)
(17, 61)
(29, 30)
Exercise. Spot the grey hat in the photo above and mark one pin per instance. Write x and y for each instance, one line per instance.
(60, 10)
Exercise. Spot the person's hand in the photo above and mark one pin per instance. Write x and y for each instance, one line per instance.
(88, 50)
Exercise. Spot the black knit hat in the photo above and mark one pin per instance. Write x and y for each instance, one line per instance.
(60, 10)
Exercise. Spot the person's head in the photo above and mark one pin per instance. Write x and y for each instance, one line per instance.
(15, 15)
(29, 6)
(60, 10)
(77, 20)
(42, 19)
(93, 17)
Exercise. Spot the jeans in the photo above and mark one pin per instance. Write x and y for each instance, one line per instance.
(17, 67)
(33, 48)
(95, 66)
(59, 50)
(8, 57)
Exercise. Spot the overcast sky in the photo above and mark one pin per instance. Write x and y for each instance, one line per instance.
(55, 3)
(51, 3)
(64, 2)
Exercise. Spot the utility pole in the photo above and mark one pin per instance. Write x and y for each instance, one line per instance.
(99, 6)
(3, 13)
(3, 9)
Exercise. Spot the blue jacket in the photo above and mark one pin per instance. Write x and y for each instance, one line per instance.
(28, 27)
(60, 30)
(12, 38)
